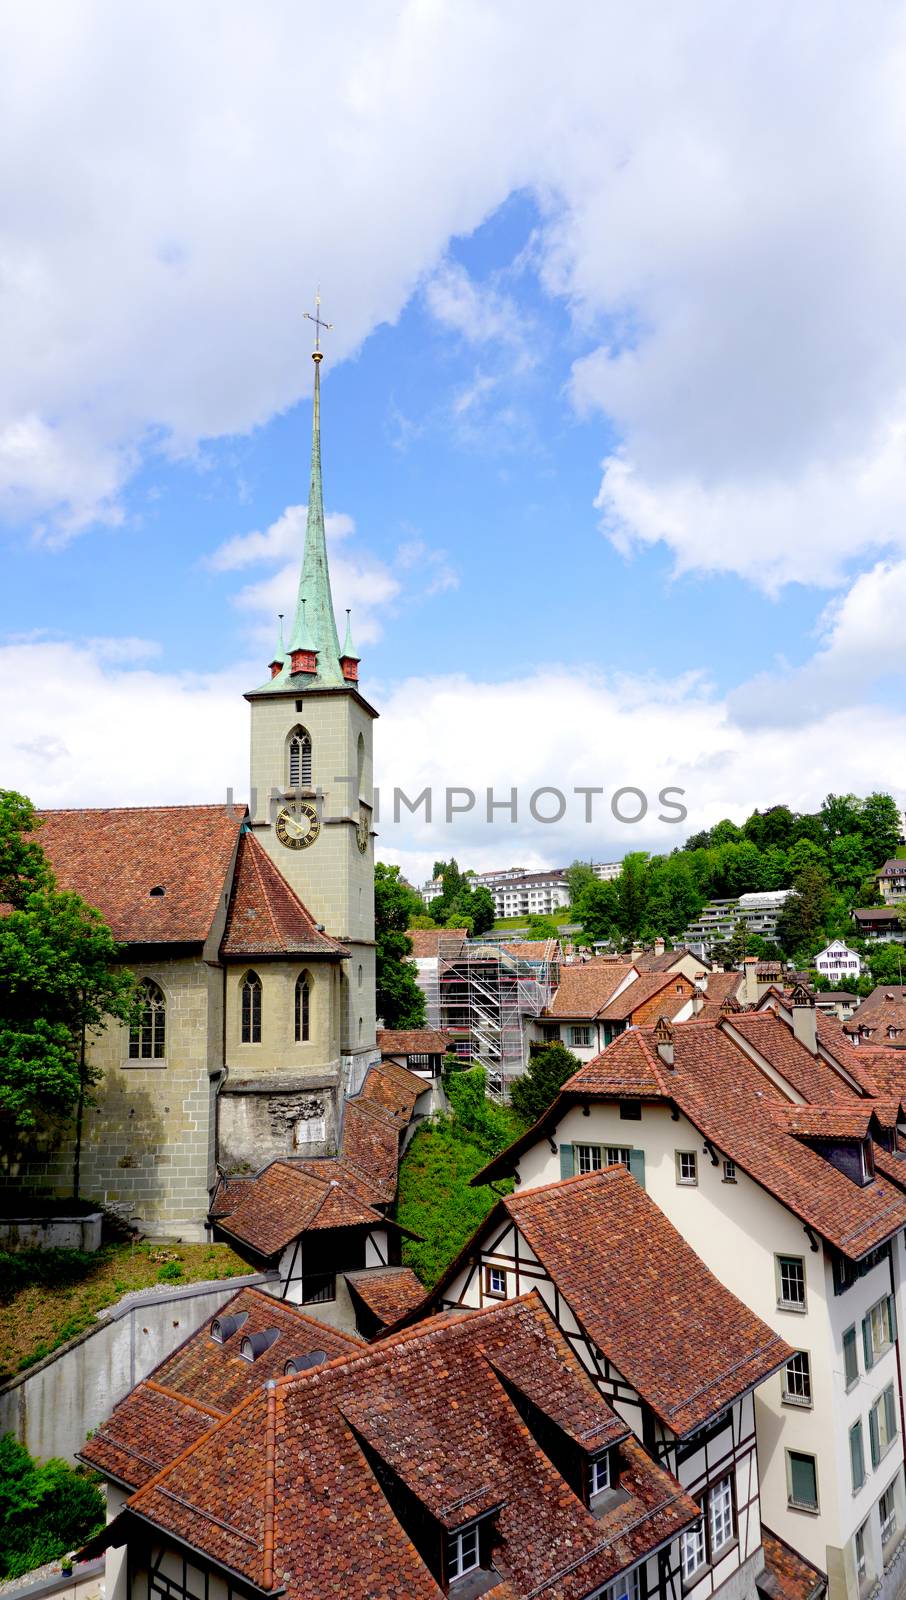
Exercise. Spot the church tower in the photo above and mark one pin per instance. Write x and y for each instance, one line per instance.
(311, 771)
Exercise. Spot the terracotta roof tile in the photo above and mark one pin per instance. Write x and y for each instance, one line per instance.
(114, 858)
(266, 917)
(268, 1211)
(646, 988)
(285, 1489)
(587, 987)
(395, 1090)
(390, 1292)
(201, 1382)
(412, 1041)
(787, 1575)
(684, 1342)
(425, 940)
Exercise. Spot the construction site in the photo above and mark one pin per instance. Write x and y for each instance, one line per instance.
(484, 995)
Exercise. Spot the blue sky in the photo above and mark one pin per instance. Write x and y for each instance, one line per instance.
(614, 405)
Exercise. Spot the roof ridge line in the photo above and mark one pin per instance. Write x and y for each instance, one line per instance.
(184, 1399)
(270, 1446)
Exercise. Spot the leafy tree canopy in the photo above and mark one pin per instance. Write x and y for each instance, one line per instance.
(548, 1069)
(400, 1001)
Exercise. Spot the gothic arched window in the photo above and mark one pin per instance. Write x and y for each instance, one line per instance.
(298, 749)
(360, 765)
(251, 1008)
(303, 1007)
(148, 1036)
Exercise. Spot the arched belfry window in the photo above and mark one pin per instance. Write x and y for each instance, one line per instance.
(360, 764)
(148, 1036)
(251, 1008)
(303, 1008)
(299, 759)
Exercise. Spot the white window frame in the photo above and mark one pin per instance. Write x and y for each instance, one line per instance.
(729, 1171)
(463, 1552)
(598, 1475)
(589, 1158)
(694, 1551)
(626, 1587)
(801, 1505)
(799, 1392)
(580, 1036)
(888, 1522)
(491, 1273)
(721, 1520)
(784, 1303)
(687, 1168)
(618, 1155)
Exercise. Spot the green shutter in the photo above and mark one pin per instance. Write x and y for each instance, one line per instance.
(892, 1312)
(873, 1436)
(866, 1344)
(890, 1411)
(637, 1166)
(567, 1166)
(856, 1455)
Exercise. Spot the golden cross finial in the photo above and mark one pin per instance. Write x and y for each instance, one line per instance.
(318, 322)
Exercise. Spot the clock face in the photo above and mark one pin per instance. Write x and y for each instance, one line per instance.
(362, 831)
(299, 828)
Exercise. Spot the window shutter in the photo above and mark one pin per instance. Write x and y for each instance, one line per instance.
(892, 1313)
(866, 1344)
(873, 1436)
(890, 1412)
(637, 1166)
(567, 1166)
(856, 1457)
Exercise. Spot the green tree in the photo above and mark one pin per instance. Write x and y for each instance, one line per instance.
(400, 1001)
(578, 876)
(597, 911)
(548, 1069)
(851, 862)
(542, 927)
(886, 964)
(24, 868)
(880, 827)
(739, 942)
(632, 895)
(726, 832)
(46, 1509)
(840, 813)
(802, 917)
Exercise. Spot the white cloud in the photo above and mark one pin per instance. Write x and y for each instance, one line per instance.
(557, 729)
(721, 200)
(285, 537)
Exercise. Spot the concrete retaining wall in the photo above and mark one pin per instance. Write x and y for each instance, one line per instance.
(53, 1406)
(51, 1233)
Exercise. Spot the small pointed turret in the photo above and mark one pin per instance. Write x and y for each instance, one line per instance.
(349, 661)
(280, 652)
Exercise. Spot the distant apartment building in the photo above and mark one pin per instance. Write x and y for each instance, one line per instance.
(759, 911)
(892, 881)
(837, 961)
(520, 893)
(886, 924)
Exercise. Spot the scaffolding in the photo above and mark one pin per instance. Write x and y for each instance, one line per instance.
(484, 995)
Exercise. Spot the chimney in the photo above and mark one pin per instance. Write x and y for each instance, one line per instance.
(635, 952)
(805, 1018)
(698, 1002)
(663, 1038)
(659, 946)
(750, 980)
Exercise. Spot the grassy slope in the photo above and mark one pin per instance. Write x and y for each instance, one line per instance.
(563, 915)
(435, 1199)
(41, 1315)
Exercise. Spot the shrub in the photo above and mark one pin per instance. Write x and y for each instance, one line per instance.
(46, 1509)
(51, 1269)
(170, 1273)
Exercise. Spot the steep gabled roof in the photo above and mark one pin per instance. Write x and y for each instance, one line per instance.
(115, 858)
(266, 917)
(586, 987)
(202, 1382)
(640, 1292)
(286, 1489)
(389, 1292)
(267, 1212)
(647, 987)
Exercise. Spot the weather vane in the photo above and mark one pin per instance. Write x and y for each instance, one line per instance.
(318, 321)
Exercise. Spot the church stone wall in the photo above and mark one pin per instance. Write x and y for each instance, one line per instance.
(147, 1144)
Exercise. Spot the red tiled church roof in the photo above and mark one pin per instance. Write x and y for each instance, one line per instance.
(115, 858)
(266, 917)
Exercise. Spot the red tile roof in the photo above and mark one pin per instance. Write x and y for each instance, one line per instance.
(412, 1041)
(395, 1090)
(114, 858)
(644, 988)
(533, 949)
(787, 1575)
(390, 1292)
(200, 1383)
(586, 988)
(268, 1211)
(266, 917)
(425, 940)
(684, 1342)
(286, 1489)
(732, 1102)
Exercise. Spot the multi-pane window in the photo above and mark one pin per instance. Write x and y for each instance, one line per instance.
(299, 759)
(251, 1008)
(599, 1475)
(588, 1158)
(580, 1036)
(860, 1542)
(887, 1506)
(303, 1007)
(856, 1456)
(694, 1550)
(878, 1330)
(802, 1481)
(148, 1036)
(626, 1587)
(850, 1357)
(729, 1172)
(462, 1552)
(790, 1283)
(686, 1166)
(618, 1156)
(495, 1282)
(720, 1516)
(882, 1424)
(797, 1380)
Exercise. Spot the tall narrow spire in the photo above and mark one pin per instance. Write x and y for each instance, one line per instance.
(314, 606)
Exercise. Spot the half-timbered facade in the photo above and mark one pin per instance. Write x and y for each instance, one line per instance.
(756, 1139)
(674, 1352)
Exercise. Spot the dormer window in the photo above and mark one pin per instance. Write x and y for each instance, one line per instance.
(598, 1475)
(462, 1552)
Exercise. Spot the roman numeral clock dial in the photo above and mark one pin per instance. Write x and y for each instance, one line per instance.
(297, 829)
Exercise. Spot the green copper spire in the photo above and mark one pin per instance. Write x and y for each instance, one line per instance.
(279, 655)
(348, 647)
(314, 607)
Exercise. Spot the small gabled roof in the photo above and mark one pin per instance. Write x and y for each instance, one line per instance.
(647, 987)
(640, 1292)
(412, 1041)
(585, 988)
(426, 941)
(266, 917)
(302, 1479)
(200, 1383)
(267, 1212)
(391, 1293)
(116, 858)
